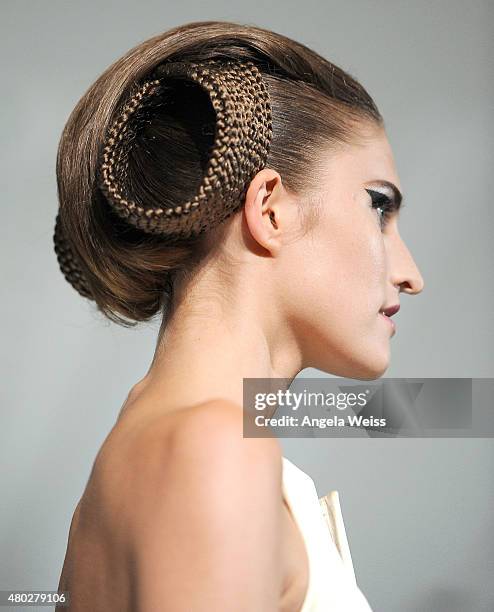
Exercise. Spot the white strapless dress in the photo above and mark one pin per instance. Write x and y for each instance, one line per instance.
(332, 585)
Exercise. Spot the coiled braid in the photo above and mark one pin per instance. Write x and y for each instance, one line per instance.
(243, 132)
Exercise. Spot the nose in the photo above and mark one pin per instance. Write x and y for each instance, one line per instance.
(404, 271)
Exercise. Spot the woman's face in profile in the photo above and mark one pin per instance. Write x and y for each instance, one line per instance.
(352, 264)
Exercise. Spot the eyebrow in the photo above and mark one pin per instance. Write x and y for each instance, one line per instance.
(397, 195)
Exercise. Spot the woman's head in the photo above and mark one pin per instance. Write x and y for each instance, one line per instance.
(323, 123)
(333, 284)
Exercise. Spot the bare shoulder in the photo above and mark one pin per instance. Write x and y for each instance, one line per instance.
(207, 525)
(210, 433)
(207, 448)
(202, 448)
(219, 424)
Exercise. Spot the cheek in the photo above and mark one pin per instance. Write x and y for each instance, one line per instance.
(337, 285)
(352, 268)
(337, 273)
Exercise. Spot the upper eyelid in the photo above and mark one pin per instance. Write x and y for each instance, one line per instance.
(395, 194)
(394, 207)
(380, 193)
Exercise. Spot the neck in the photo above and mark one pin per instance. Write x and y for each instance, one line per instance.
(210, 345)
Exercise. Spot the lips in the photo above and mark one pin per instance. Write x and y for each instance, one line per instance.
(390, 321)
(389, 311)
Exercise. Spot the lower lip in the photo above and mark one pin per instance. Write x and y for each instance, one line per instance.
(389, 320)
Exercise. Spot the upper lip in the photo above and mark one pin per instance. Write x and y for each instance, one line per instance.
(389, 311)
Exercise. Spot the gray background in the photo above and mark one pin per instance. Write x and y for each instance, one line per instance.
(418, 512)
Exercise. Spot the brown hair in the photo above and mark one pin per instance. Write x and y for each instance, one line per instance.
(316, 107)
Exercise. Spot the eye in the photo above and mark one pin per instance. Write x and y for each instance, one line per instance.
(381, 202)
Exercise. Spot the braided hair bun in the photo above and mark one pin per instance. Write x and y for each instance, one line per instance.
(242, 135)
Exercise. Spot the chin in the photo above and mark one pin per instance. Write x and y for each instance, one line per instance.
(374, 375)
(369, 367)
(374, 370)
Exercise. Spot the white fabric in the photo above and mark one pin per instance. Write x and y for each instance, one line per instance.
(332, 586)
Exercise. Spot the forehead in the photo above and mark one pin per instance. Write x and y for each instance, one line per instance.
(369, 159)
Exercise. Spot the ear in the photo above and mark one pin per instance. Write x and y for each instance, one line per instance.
(263, 208)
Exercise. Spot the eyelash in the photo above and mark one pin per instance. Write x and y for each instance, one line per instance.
(382, 202)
